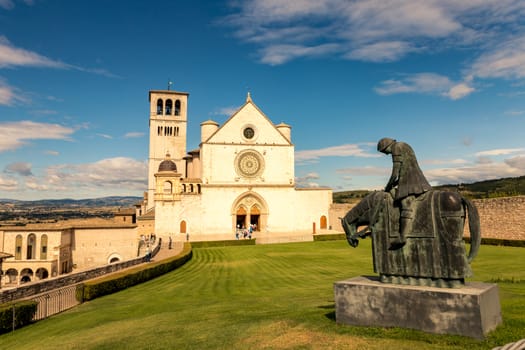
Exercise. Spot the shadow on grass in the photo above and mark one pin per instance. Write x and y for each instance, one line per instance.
(330, 315)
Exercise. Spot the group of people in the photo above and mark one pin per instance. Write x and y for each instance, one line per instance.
(245, 232)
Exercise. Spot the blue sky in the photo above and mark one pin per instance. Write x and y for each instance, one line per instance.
(447, 77)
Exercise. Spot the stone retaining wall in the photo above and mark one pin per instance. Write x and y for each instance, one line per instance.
(35, 288)
(501, 218)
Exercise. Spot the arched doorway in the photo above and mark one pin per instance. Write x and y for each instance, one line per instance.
(26, 275)
(12, 275)
(255, 215)
(323, 223)
(248, 209)
(183, 226)
(42, 273)
(240, 217)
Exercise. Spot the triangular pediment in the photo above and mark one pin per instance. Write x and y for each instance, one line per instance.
(249, 116)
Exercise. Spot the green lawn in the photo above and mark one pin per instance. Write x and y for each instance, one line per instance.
(261, 297)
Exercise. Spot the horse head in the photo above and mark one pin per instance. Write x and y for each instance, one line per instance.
(364, 213)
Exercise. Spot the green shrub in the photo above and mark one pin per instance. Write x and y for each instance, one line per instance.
(121, 280)
(501, 242)
(24, 312)
(336, 237)
(225, 243)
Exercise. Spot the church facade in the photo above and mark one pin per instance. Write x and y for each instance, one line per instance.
(241, 176)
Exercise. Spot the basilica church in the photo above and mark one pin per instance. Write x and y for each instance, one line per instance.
(240, 176)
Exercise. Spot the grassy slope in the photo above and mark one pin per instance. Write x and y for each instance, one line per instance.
(264, 297)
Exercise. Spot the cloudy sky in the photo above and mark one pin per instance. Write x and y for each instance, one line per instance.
(445, 76)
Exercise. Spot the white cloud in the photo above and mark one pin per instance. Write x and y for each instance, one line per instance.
(459, 91)
(381, 51)
(117, 174)
(131, 135)
(365, 171)
(386, 31)
(444, 161)
(473, 173)
(227, 111)
(426, 83)
(349, 150)
(307, 180)
(10, 4)
(19, 168)
(7, 4)
(499, 152)
(370, 29)
(8, 184)
(516, 162)
(111, 176)
(14, 135)
(105, 136)
(514, 112)
(10, 95)
(422, 82)
(279, 54)
(504, 60)
(11, 56)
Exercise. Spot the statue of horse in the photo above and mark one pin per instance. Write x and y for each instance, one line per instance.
(434, 253)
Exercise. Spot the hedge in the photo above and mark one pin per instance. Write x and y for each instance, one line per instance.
(24, 312)
(501, 242)
(334, 237)
(126, 278)
(225, 243)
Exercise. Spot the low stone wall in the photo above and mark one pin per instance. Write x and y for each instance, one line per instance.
(35, 288)
(501, 218)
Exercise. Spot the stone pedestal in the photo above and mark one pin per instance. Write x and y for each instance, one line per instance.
(472, 311)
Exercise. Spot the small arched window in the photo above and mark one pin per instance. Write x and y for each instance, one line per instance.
(169, 106)
(159, 106)
(31, 247)
(177, 107)
(43, 247)
(18, 247)
(168, 187)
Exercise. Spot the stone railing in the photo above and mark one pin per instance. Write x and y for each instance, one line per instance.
(50, 284)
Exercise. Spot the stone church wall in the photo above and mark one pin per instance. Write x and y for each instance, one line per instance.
(501, 218)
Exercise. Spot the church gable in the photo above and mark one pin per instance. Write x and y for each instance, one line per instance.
(248, 125)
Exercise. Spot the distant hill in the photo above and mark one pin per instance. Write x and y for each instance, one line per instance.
(113, 201)
(507, 187)
(19, 213)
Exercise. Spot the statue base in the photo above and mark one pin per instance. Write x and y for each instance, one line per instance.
(472, 311)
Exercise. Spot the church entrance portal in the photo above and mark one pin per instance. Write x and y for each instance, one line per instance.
(250, 209)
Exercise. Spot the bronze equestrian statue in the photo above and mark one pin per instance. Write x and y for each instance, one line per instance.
(417, 232)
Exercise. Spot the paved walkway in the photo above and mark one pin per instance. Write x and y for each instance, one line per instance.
(165, 252)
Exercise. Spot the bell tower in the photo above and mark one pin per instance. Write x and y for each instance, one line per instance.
(167, 133)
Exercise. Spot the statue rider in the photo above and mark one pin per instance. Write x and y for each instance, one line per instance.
(406, 183)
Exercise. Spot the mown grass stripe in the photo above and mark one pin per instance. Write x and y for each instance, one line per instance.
(266, 296)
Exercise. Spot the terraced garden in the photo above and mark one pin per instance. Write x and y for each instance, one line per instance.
(261, 297)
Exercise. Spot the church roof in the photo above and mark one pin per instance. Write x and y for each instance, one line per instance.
(248, 102)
